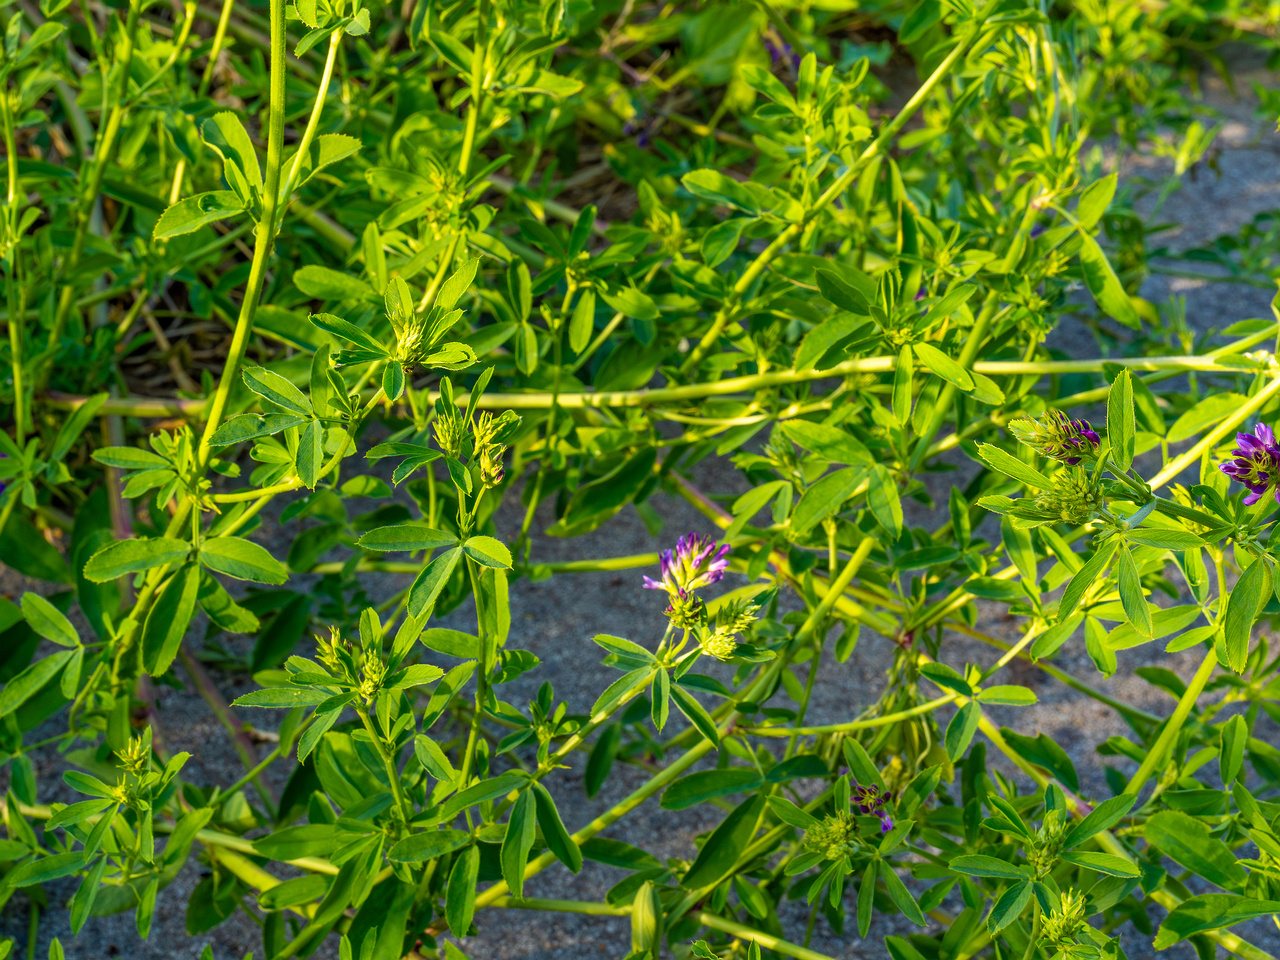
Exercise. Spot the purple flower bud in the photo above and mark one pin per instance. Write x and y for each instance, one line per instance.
(1058, 437)
(1257, 462)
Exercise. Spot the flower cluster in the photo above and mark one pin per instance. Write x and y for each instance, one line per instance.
(1256, 463)
(695, 563)
(1044, 850)
(1058, 437)
(1073, 499)
(833, 837)
(1065, 921)
(719, 637)
(488, 450)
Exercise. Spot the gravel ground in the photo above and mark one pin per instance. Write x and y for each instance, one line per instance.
(556, 619)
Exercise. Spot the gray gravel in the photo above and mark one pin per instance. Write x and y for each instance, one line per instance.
(556, 619)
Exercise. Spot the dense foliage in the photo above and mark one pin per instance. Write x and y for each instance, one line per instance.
(252, 251)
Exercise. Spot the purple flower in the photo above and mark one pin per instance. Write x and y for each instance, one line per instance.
(696, 562)
(870, 802)
(1257, 462)
(780, 51)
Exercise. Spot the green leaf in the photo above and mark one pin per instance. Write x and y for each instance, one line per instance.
(1235, 734)
(1208, 411)
(452, 643)
(860, 765)
(31, 680)
(427, 846)
(715, 186)
(1165, 539)
(242, 559)
(479, 793)
(553, 830)
(405, 537)
(630, 302)
(830, 443)
(721, 239)
(980, 865)
(226, 134)
(1104, 285)
(1210, 911)
(132, 556)
(1084, 578)
(278, 697)
(460, 893)
(1010, 905)
(696, 713)
(48, 621)
(582, 322)
(624, 648)
(349, 332)
(1011, 466)
(901, 895)
(253, 426)
(393, 380)
(1008, 695)
(276, 389)
(825, 498)
(451, 290)
(1244, 606)
(1103, 863)
(1103, 817)
(488, 552)
(789, 813)
(595, 502)
(1045, 752)
(961, 729)
(305, 840)
(322, 283)
(431, 581)
(45, 869)
(1120, 420)
(918, 21)
(884, 501)
(695, 788)
(168, 619)
(943, 366)
(189, 215)
(1131, 596)
(310, 453)
(726, 843)
(1188, 841)
(1094, 201)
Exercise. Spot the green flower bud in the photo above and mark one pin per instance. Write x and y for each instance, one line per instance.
(719, 644)
(1066, 921)
(833, 837)
(1073, 498)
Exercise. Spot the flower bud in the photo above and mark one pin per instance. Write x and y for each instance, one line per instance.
(1057, 437)
(451, 432)
(1073, 498)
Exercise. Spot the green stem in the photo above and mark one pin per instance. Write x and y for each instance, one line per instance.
(219, 37)
(265, 234)
(313, 122)
(1155, 756)
(388, 762)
